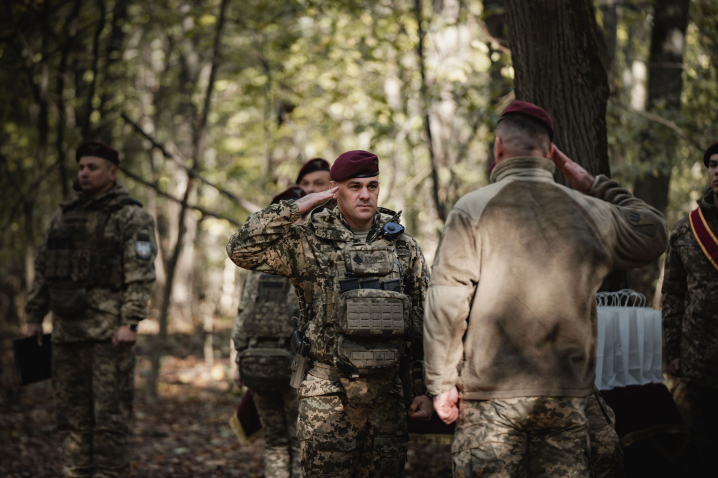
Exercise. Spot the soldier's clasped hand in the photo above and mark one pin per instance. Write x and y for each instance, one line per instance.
(124, 337)
(447, 405)
(310, 201)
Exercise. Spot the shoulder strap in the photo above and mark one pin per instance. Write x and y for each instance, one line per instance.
(704, 235)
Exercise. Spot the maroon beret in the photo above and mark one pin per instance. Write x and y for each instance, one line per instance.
(316, 164)
(295, 192)
(355, 164)
(712, 149)
(96, 148)
(528, 109)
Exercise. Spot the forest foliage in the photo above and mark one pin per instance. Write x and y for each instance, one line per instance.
(420, 83)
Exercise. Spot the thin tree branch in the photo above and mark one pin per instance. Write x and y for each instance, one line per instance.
(247, 205)
(663, 121)
(204, 211)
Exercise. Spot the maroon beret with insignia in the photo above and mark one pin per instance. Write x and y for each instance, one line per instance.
(96, 148)
(316, 164)
(355, 164)
(295, 192)
(528, 109)
(712, 149)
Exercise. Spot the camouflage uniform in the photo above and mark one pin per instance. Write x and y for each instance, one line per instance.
(690, 325)
(606, 459)
(347, 426)
(276, 401)
(94, 271)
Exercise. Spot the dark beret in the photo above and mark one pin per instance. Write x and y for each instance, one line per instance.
(96, 148)
(316, 164)
(528, 109)
(355, 164)
(295, 192)
(712, 149)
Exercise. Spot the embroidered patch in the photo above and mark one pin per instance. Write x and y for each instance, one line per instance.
(637, 219)
(143, 249)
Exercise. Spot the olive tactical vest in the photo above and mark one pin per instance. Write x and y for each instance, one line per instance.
(268, 324)
(79, 256)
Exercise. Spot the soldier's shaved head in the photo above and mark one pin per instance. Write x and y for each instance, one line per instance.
(522, 135)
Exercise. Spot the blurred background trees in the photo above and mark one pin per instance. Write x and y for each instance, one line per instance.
(215, 104)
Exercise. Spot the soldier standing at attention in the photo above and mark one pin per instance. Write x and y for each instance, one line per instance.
(314, 176)
(360, 281)
(261, 336)
(690, 313)
(510, 323)
(94, 271)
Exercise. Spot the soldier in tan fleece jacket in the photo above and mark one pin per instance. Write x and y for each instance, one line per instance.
(510, 322)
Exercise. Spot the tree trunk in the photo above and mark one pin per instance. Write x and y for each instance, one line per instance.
(197, 145)
(565, 75)
(664, 98)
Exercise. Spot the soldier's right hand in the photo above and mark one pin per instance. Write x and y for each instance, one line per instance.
(35, 329)
(310, 201)
(237, 379)
(579, 178)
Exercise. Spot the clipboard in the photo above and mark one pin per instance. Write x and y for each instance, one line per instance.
(33, 363)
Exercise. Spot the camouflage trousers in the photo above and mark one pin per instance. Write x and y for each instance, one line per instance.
(350, 440)
(520, 437)
(606, 459)
(93, 387)
(278, 412)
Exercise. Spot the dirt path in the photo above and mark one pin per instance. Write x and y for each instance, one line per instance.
(184, 434)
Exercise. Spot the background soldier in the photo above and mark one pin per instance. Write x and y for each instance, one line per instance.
(94, 271)
(690, 313)
(360, 282)
(261, 336)
(314, 176)
(510, 314)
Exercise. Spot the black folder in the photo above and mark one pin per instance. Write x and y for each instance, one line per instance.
(31, 360)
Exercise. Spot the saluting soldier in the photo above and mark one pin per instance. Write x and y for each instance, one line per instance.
(690, 313)
(94, 271)
(261, 336)
(314, 176)
(360, 281)
(510, 324)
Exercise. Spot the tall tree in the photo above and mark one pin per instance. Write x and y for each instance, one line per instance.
(557, 66)
(665, 83)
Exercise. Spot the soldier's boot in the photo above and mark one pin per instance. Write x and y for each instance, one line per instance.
(277, 462)
(78, 454)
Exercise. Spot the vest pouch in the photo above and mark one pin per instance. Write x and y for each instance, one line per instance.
(68, 302)
(369, 259)
(372, 312)
(376, 361)
(265, 368)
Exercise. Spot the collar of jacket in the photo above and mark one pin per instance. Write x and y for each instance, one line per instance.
(117, 192)
(524, 166)
(706, 201)
(329, 223)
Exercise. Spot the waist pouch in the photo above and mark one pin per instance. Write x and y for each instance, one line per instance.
(68, 302)
(265, 368)
(376, 361)
(372, 312)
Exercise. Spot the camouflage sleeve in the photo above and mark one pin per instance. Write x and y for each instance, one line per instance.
(38, 300)
(637, 231)
(140, 249)
(674, 293)
(265, 240)
(249, 294)
(418, 280)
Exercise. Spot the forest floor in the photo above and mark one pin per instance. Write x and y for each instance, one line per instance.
(183, 433)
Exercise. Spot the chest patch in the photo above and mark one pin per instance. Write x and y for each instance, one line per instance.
(143, 249)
